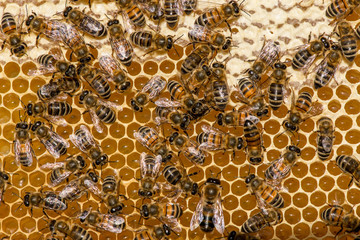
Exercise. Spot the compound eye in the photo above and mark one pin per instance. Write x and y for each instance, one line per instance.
(266, 111)
(293, 128)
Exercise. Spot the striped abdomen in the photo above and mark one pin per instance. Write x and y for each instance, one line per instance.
(123, 50)
(79, 233)
(92, 27)
(210, 18)
(172, 174)
(141, 39)
(149, 136)
(272, 197)
(81, 137)
(171, 13)
(337, 8)
(303, 103)
(333, 215)
(276, 95)
(190, 63)
(247, 88)
(59, 108)
(323, 153)
(301, 58)
(252, 134)
(324, 75)
(54, 202)
(213, 140)
(347, 164)
(106, 114)
(172, 210)
(58, 147)
(220, 94)
(135, 15)
(8, 24)
(101, 86)
(276, 170)
(47, 60)
(348, 47)
(176, 90)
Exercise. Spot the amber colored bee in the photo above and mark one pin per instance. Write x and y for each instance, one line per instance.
(120, 45)
(149, 171)
(104, 222)
(146, 39)
(189, 6)
(13, 35)
(276, 89)
(198, 79)
(234, 118)
(194, 60)
(24, 153)
(118, 76)
(201, 34)
(171, 10)
(74, 231)
(52, 63)
(265, 194)
(175, 117)
(153, 10)
(150, 139)
(341, 8)
(337, 216)
(254, 143)
(158, 232)
(261, 220)
(84, 22)
(348, 41)
(110, 192)
(133, 12)
(325, 137)
(351, 166)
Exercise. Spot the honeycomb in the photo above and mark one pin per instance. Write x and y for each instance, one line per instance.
(311, 185)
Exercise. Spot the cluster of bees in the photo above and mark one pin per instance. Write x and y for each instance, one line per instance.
(202, 88)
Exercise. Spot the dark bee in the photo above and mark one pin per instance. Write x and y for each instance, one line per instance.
(150, 91)
(201, 34)
(24, 154)
(278, 80)
(75, 232)
(120, 45)
(325, 137)
(218, 91)
(326, 70)
(261, 220)
(104, 222)
(146, 39)
(240, 236)
(48, 91)
(149, 171)
(54, 88)
(51, 63)
(158, 232)
(350, 166)
(153, 10)
(4, 182)
(171, 10)
(337, 216)
(149, 138)
(110, 191)
(13, 35)
(188, 147)
(340, 8)
(84, 22)
(133, 12)
(52, 111)
(83, 140)
(165, 212)
(62, 170)
(198, 79)
(53, 142)
(348, 41)
(194, 60)
(209, 214)
(189, 6)
(176, 118)
(234, 118)
(96, 79)
(254, 142)
(118, 76)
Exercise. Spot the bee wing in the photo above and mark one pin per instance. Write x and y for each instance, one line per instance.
(60, 178)
(142, 163)
(218, 218)
(261, 202)
(122, 47)
(71, 187)
(110, 104)
(198, 31)
(54, 200)
(58, 29)
(50, 148)
(164, 102)
(172, 223)
(96, 121)
(70, 33)
(109, 64)
(154, 86)
(57, 120)
(157, 166)
(110, 222)
(197, 216)
(53, 165)
(90, 185)
(327, 143)
(270, 52)
(41, 71)
(210, 129)
(171, 191)
(23, 148)
(308, 63)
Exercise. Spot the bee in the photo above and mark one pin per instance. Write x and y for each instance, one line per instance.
(209, 212)
(213, 139)
(149, 171)
(189, 6)
(325, 137)
(75, 232)
(52, 111)
(52, 63)
(78, 187)
(96, 79)
(24, 154)
(149, 138)
(261, 220)
(83, 140)
(105, 222)
(190, 148)
(201, 34)
(53, 142)
(118, 76)
(240, 236)
(52, 29)
(264, 193)
(195, 59)
(349, 165)
(337, 216)
(4, 181)
(347, 40)
(48, 91)
(339, 9)
(304, 58)
(171, 10)
(110, 190)
(55, 88)
(150, 91)
(326, 70)
(254, 142)
(146, 39)
(9, 28)
(119, 44)
(198, 79)
(280, 168)
(278, 80)
(44, 200)
(84, 22)
(62, 170)
(234, 118)
(100, 111)
(153, 10)
(158, 232)
(176, 118)
(69, 85)
(133, 12)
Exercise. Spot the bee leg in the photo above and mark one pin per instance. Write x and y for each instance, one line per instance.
(44, 213)
(351, 181)
(122, 195)
(228, 24)
(37, 40)
(3, 44)
(71, 54)
(31, 212)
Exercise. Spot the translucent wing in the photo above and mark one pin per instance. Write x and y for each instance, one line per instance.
(96, 121)
(270, 52)
(149, 168)
(53, 165)
(60, 178)
(210, 129)
(143, 140)
(109, 64)
(260, 201)
(323, 72)
(92, 187)
(172, 223)
(171, 191)
(1, 193)
(164, 102)
(79, 142)
(24, 148)
(218, 218)
(198, 32)
(54, 202)
(154, 86)
(90, 25)
(41, 71)
(51, 147)
(197, 217)
(57, 120)
(68, 36)
(111, 223)
(71, 190)
(308, 63)
(110, 104)
(122, 48)
(327, 143)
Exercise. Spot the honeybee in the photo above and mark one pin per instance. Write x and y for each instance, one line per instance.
(53, 142)
(100, 111)
(44, 200)
(153, 10)
(347, 40)
(78, 187)
(339, 9)
(24, 154)
(195, 58)
(337, 216)
(104, 222)
(264, 193)
(261, 220)
(326, 70)
(83, 139)
(213, 139)
(172, 11)
(235, 118)
(48, 91)
(276, 89)
(52, 111)
(118, 76)
(188, 5)
(280, 168)
(150, 91)
(54, 88)
(119, 44)
(176, 118)
(13, 35)
(62, 170)
(325, 137)
(133, 12)
(96, 79)
(84, 22)
(240, 236)
(158, 232)
(4, 181)
(213, 17)
(74, 231)
(209, 212)
(304, 58)
(110, 191)
(146, 39)
(51, 28)
(254, 142)
(349, 165)
(149, 171)
(201, 34)
(198, 79)
(149, 138)
(188, 147)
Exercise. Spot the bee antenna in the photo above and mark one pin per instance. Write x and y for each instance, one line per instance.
(18, 196)
(107, 16)
(246, 12)
(19, 207)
